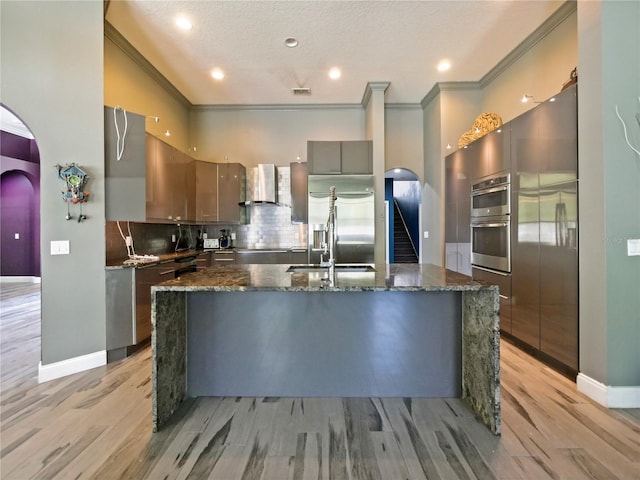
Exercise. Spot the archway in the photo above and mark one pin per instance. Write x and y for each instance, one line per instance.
(20, 197)
(404, 195)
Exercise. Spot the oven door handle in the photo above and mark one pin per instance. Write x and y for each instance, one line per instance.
(490, 224)
(484, 191)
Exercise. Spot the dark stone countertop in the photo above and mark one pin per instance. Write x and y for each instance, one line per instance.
(400, 277)
(115, 264)
(118, 263)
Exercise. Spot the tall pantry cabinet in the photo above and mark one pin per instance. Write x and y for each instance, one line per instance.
(539, 299)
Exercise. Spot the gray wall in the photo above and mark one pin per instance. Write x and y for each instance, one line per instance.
(52, 77)
(275, 135)
(609, 73)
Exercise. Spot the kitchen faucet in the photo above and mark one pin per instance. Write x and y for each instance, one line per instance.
(329, 243)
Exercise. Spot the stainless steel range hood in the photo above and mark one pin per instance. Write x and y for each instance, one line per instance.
(264, 190)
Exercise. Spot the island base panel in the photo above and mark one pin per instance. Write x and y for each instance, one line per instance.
(340, 344)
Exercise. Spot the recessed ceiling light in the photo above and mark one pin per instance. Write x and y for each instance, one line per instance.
(335, 73)
(184, 24)
(217, 74)
(444, 65)
(291, 42)
(552, 99)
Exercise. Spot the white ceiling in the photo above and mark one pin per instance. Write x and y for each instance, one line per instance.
(399, 42)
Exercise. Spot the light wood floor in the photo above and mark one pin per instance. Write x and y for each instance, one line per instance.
(97, 425)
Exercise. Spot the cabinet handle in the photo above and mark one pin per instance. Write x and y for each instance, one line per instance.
(504, 297)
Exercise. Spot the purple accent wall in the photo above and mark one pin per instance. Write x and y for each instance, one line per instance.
(15, 146)
(18, 256)
(19, 206)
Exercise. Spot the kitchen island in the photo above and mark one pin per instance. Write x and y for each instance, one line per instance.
(403, 330)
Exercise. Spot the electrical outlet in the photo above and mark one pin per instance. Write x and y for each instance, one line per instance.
(233, 235)
(426, 234)
(16, 236)
(173, 239)
(633, 247)
(128, 241)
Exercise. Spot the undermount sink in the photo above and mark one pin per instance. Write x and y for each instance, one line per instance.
(338, 268)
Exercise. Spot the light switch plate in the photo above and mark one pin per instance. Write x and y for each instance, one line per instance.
(633, 247)
(60, 247)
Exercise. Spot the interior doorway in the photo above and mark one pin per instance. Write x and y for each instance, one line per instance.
(403, 195)
(20, 200)
(20, 260)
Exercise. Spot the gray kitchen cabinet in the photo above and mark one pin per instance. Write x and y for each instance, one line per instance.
(262, 256)
(203, 260)
(357, 157)
(324, 157)
(298, 256)
(525, 266)
(125, 178)
(222, 257)
(231, 191)
(170, 183)
(120, 308)
(299, 192)
(558, 272)
(206, 198)
(494, 153)
(128, 310)
(557, 138)
(346, 157)
(544, 224)
(459, 170)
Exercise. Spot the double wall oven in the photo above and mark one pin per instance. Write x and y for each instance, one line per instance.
(490, 223)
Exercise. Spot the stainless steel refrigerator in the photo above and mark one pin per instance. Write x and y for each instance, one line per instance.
(354, 214)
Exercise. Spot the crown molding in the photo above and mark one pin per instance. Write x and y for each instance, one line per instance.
(279, 107)
(559, 16)
(123, 44)
(371, 87)
(445, 87)
(402, 106)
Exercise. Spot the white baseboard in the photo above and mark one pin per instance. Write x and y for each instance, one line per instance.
(70, 366)
(608, 396)
(19, 279)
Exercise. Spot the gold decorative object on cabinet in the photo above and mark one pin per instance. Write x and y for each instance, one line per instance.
(482, 125)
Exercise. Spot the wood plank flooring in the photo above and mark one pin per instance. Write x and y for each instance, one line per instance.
(97, 425)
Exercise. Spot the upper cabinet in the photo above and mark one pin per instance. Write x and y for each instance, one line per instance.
(170, 183)
(148, 180)
(558, 135)
(231, 191)
(494, 152)
(324, 158)
(348, 157)
(299, 192)
(206, 174)
(125, 166)
(544, 142)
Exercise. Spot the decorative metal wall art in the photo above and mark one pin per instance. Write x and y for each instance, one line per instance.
(75, 181)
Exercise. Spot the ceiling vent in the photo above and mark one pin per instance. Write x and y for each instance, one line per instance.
(301, 91)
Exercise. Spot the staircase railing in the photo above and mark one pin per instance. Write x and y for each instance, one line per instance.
(404, 224)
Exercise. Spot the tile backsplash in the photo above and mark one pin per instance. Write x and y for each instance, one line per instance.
(269, 227)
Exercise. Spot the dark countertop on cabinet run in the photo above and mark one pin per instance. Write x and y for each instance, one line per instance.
(253, 277)
(162, 257)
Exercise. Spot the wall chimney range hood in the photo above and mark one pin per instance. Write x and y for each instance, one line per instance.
(264, 190)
